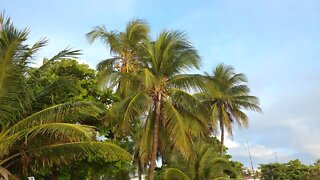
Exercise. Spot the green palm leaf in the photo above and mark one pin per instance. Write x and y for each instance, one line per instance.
(225, 95)
(31, 139)
(56, 113)
(145, 139)
(12, 67)
(57, 131)
(189, 82)
(174, 123)
(172, 174)
(130, 109)
(55, 154)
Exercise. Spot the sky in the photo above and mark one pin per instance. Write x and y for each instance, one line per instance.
(276, 43)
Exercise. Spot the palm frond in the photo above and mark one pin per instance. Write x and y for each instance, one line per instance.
(136, 31)
(57, 131)
(193, 111)
(131, 109)
(13, 61)
(214, 117)
(66, 53)
(223, 72)
(30, 52)
(189, 82)
(202, 96)
(172, 54)
(109, 38)
(248, 102)
(107, 63)
(239, 90)
(240, 117)
(55, 154)
(107, 75)
(238, 78)
(145, 139)
(175, 125)
(146, 78)
(210, 162)
(56, 113)
(171, 173)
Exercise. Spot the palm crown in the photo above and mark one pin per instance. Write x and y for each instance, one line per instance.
(161, 101)
(225, 95)
(124, 47)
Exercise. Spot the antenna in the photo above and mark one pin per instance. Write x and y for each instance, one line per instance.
(254, 177)
(275, 154)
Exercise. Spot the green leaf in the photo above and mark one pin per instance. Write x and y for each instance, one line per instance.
(175, 125)
(172, 173)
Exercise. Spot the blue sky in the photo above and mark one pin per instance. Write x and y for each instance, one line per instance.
(275, 43)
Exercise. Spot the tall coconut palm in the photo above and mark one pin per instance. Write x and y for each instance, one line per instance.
(124, 47)
(31, 139)
(166, 110)
(226, 95)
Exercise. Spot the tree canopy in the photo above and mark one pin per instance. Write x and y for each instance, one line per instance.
(138, 107)
(32, 138)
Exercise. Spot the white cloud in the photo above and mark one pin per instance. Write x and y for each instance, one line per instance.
(231, 144)
(306, 134)
(260, 151)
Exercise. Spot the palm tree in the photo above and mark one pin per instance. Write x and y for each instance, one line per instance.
(124, 47)
(226, 94)
(167, 112)
(28, 139)
(207, 164)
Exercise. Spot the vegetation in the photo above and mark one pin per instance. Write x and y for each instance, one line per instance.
(225, 95)
(31, 138)
(125, 47)
(293, 169)
(63, 117)
(160, 98)
(207, 165)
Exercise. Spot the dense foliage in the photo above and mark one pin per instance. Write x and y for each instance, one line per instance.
(293, 169)
(207, 165)
(65, 120)
(225, 95)
(33, 135)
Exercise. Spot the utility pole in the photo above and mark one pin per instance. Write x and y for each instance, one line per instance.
(254, 177)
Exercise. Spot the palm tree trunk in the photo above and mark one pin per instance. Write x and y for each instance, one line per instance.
(222, 137)
(155, 137)
(139, 169)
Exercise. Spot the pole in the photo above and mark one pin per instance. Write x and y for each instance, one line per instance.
(254, 177)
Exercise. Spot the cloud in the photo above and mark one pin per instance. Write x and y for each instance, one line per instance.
(260, 154)
(306, 134)
(231, 144)
(260, 151)
(289, 127)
